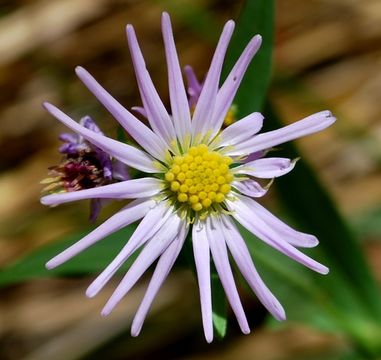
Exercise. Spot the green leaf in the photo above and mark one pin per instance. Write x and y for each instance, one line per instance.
(257, 17)
(326, 303)
(92, 260)
(349, 288)
(306, 200)
(219, 306)
(301, 193)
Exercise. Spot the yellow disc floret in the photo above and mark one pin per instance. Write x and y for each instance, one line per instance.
(200, 177)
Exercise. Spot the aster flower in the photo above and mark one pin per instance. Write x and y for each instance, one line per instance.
(84, 166)
(195, 183)
(194, 90)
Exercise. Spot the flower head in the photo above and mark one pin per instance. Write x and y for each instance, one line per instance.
(84, 166)
(196, 183)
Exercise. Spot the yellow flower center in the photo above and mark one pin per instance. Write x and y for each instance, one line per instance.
(200, 178)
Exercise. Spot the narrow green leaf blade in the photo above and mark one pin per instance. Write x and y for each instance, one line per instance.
(349, 288)
(328, 304)
(257, 17)
(307, 201)
(90, 261)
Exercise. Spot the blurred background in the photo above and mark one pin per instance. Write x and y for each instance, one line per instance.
(327, 56)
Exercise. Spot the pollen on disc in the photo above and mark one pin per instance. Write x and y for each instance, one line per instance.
(200, 177)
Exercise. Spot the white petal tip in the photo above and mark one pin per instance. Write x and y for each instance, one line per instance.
(53, 110)
(259, 116)
(165, 16)
(106, 311)
(319, 268)
(48, 200)
(46, 105)
(258, 38)
(280, 315)
(208, 338)
(91, 291)
(332, 119)
(327, 114)
(313, 243)
(50, 265)
(129, 28)
(79, 69)
(135, 331)
(246, 331)
(230, 24)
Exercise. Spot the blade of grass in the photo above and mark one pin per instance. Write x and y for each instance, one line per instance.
(350, 287)
(90, 261)
(257, 17)
(306, 200)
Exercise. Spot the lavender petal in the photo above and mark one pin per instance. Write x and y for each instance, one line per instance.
(219, 252)
(157, 115)
(154, 220)
(292, 236)
(149, 254)
(194, 86)
(252, 222)
(96, 206)
(266, 168)
(250, 188)
(120, 171)
(240, 131)
(129, 189)
(144, 136)
(123, 152)
(228, 90)
(242, 257)
(306, 126)
(131, 213)
(202, 260)
(163, 267)
(179, 102)
(205, 105)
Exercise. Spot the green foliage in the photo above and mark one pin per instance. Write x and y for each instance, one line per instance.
(307, 201)
(93, 260)
(348, 296)
(347, 300)
(257, 17)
